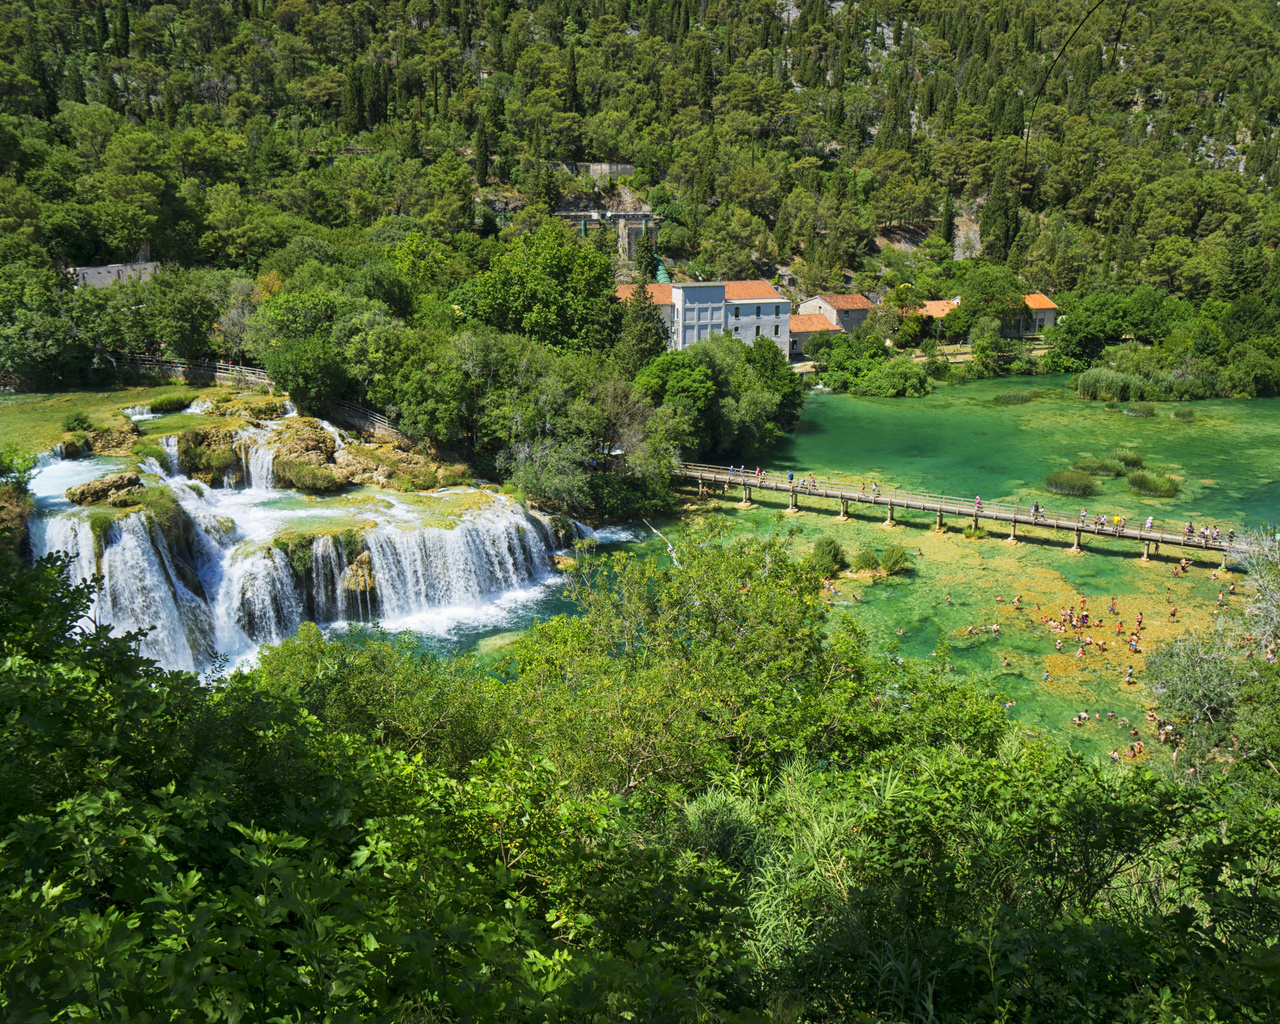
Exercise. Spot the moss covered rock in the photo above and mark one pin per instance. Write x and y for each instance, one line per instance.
(358, 577)
(305, 441)
(210, 456)
(101, 489)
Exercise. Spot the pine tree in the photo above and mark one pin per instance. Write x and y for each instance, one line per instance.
(949, 221)
(483, 147)
(100, 27)
(353, 101)
(572, 101)
(122, 30)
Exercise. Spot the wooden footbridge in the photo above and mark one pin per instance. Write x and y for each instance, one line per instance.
(894, 500)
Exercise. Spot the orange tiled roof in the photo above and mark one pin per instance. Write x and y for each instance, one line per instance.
(936, 308)
(744, 291)
(854, 301)
(1037, 301)
(809, 323)
(660, 293)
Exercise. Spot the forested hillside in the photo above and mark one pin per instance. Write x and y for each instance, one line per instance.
(350, 188)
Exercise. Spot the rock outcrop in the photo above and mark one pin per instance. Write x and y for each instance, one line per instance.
(101, 489)
(304, 440)
(358, 577)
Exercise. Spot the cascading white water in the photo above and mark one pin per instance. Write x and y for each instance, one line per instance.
(138, 413)
(47, 459)
(260, 467)
(200, 407)
(224, 588)
(416, 569)
(170, 445)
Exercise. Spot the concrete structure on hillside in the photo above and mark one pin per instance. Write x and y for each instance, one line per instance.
(749, 310)
(803, 327)
(846, 312)
(104, 277)
(629, 225)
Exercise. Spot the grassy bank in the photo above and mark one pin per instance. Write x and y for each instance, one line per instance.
(34, 422)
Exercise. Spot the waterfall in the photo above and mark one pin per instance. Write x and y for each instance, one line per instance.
(328, 560)
(290, 409)
(338, 442)
(200, 407)
(170, 445)
(217, 584)
(140, 412)
(259, 467)
(417, 569)
(46, 459)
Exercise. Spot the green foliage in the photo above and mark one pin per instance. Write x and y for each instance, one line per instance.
(1153, 485)
(828, 556)
(866, 559)
(1144, 410)
(1070, 481)
(305, 477)
(77, 420)
(1098, 467)
(1129, 458)
(893, 560)
(172, 403)
(1014, 398)
(1183, 415)
(16, 467)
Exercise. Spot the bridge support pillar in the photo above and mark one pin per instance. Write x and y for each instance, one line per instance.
(940, 527)
(889, 520)
(792, 507)
(746, 497)
(1146, 551)
(1224, 558)
(1013, 532)
(1076, 548)
(843, 517)
(975, 522)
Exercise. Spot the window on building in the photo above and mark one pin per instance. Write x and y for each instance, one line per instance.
(757, 310)
(777, 310)
(736, 330)
(757, 330)
(735, 312)
(775, 330)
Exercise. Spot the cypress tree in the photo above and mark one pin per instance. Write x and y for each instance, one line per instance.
(949, 221)
(122, 30)
(572, 101)
(100, 28)
(999, 219)
(483, 147)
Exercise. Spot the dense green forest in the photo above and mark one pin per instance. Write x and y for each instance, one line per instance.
(360, 198)
(700, 798)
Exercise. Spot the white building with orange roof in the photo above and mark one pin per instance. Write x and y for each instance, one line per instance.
(694, 310)
(846, 312)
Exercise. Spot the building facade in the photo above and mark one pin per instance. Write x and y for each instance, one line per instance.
(846, 312)
(692, 311)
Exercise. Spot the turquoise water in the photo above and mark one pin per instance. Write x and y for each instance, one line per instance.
(959, 441)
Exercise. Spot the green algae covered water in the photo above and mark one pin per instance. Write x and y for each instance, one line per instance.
(961, 441)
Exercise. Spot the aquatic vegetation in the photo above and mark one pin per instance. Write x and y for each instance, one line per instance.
(1098, 467)
(173, 403)
(305, 477)
(1152, 485)
(1142, 409)
(1014, 398)
(894, 560)
(1129, 458)
(974, 533)
(828, 556)
(1070, 481)
(866, 559)
(1183, 414)
(1112, 406)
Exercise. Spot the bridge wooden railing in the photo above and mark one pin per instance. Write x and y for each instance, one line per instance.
(894, 498)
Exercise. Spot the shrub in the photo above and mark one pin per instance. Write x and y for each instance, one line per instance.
(1070, 481)
(1183, 414)
(305, 477)
(894, 560)
(1143, 409)
(1112, 406)
(828, 556)
(974, 533)
(1097, 467)
(172, 403)
(1127, 457)
(1153, 485)
(76, 420)
(866, 559)
(1014, 398)
(456, 475)
(148, 449)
